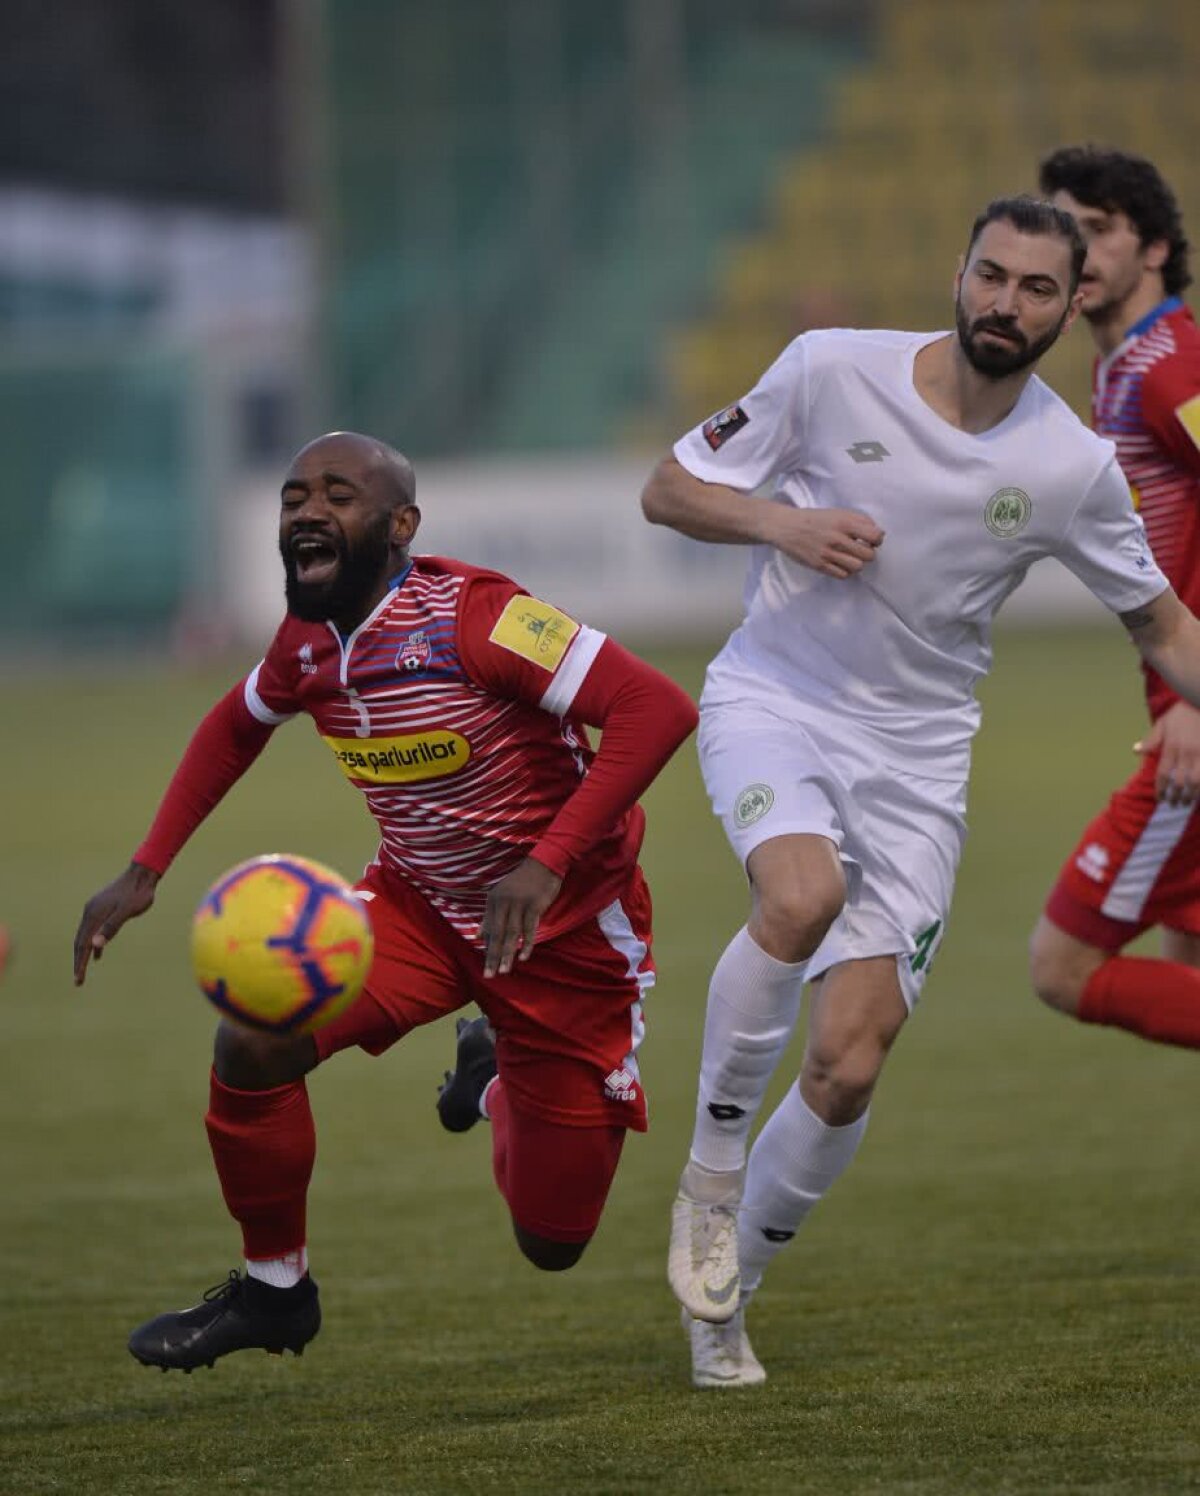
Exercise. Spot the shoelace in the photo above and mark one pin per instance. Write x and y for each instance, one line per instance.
(231, 1285)
(716, 1223)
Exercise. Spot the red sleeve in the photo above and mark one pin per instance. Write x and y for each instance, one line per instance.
(1171, 406)
(522, 648)
(500, 648)
(645, 716)
(270, 688)
(223, 747)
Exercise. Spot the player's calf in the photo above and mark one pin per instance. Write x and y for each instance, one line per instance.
(248, 1061)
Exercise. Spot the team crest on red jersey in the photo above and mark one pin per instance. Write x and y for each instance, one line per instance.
(415, 653)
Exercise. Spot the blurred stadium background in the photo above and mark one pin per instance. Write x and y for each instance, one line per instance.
(530, 241)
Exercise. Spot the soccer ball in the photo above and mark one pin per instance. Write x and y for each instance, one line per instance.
(281, 944)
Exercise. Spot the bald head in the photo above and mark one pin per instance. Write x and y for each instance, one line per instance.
(372, 462)
(346, 521)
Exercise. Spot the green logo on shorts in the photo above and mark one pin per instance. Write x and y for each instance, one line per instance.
(752, 804)
(922, 957)
(1007, 512)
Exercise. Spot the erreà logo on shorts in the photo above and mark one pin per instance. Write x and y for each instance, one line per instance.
(1007, 512)
(752, 804)
(406, 759)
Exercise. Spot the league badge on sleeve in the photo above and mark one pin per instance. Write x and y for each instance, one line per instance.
(1188, 416)
(535, 630)
(726, 423)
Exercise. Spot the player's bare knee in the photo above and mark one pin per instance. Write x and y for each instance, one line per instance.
(549, 1255)
(837, 1082)
(1057, 972)
(790, 922)
(256, 1062)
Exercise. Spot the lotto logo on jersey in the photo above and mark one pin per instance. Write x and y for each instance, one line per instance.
(407, 759)
(534, 630)
(717, 430)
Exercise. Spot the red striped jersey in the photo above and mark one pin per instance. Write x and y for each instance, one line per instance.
(1146, 398)
(449, 707)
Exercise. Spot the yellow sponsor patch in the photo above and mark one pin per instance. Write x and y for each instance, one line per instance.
(534, 630)
(406, 759)
(1135, 494)
(1188, 416)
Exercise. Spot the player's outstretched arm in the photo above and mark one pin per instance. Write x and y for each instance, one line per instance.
(836, 542)
(645, 717)
(222, 748)
(105, 912)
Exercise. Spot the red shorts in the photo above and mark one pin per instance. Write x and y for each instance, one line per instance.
(568, 1021)
(1136, 865)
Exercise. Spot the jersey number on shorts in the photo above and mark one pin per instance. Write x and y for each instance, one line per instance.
(920, 958)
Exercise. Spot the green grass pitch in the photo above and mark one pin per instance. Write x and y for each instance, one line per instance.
(1001, 1296)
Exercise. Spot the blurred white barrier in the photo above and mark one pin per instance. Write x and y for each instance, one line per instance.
(570, 529)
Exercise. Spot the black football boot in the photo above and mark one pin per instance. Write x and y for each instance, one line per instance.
(474, 1067)
(238, 1315)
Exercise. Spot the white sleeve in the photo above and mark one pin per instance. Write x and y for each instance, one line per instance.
(256, 706)
(1105, 545)
(749, 443)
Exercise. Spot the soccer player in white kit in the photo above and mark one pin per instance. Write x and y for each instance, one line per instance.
(915, 477)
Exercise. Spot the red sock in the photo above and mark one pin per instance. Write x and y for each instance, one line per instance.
(1158, 999)
(497, 1109)
(264, 1145)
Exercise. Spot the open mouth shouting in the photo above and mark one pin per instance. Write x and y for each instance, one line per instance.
(315, 559)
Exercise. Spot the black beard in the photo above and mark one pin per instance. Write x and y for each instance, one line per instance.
(994, 361)
(345, 595)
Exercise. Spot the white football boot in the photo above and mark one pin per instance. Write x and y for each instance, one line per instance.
(721, 1354)
(702, 1262)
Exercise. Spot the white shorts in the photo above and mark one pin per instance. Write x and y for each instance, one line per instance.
(899, 835)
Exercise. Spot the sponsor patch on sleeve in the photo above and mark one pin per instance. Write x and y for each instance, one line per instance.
(1188, 416)
(534, 630)
(717, 430)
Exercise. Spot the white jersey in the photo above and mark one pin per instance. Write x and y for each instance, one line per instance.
(837, 423)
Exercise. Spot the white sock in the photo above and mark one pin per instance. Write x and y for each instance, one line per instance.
(753, 1004)
(483, 1099)
(279, 1272)
(794, 1160)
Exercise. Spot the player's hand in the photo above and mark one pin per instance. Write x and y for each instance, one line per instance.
(510, 919)
(835, 542)
(105, 912)
(1175, 737)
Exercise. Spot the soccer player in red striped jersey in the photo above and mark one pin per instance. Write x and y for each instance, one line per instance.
(506, 874)
(1137, 865)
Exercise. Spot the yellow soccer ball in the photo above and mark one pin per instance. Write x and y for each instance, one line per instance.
(281, 944)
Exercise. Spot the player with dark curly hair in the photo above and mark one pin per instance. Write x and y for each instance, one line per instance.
(1137, 865)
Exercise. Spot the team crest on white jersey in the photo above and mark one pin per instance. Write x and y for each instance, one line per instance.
(1007, 512)
(752, 804)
